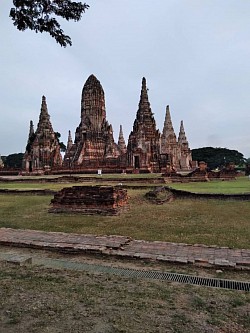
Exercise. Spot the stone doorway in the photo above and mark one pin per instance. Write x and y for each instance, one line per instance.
(137, 162)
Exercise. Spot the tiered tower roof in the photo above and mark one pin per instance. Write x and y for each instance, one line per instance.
(93, 111)
(182, 139)
(144, 121)
(44, 118)
(168, 133)
(121, 141)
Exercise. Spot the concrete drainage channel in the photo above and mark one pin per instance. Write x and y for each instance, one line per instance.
(126, 272)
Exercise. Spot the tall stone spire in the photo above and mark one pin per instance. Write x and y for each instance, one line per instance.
(185, 155)
(168, 140)
(44, 118)
(144, 109)
(168, 134)
(93, 111)
(31, 131)
(144, 140)
(94, 144)
(43, 149)
(70, 142)
(121, 141)
(30, 137)
(182, 139)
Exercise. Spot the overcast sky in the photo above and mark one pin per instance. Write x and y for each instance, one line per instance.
(195, 55)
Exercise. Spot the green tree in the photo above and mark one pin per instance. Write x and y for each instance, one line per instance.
(39, 15)
(217, 157)
(62, 145)
(14, 161)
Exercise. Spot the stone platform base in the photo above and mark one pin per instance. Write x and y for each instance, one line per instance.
(90, 200)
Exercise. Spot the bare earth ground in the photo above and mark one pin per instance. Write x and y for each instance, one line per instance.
(37, 299)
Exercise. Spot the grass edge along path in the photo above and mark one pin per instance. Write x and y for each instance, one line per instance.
(209, 222)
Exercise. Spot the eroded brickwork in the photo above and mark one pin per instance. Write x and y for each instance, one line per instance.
(94, 145)
(43, 149)
(143, 149)
(89, 200)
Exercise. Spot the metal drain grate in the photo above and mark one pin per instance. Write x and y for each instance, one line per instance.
(156, 275)
(133, 273)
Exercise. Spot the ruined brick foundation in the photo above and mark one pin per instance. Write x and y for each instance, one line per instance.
(90, 200)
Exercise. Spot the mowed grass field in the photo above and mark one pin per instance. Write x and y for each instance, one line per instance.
(240, 185)
(211, 222)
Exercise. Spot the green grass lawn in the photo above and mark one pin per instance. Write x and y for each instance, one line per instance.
(240, 185)
(211, 222)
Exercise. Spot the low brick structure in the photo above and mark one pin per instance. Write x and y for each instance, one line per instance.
(90, 200)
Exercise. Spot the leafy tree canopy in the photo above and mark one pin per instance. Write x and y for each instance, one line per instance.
(62, 145)
(217, 157)
(39, 15)
(14, 160)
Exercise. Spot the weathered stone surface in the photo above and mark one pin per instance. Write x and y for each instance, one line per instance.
(177, 151)
(89, 200)
(43, 149)
(160, 195)
(143, 149)
(94, 145)
(125, 247)
(19, 260)
(202, 174)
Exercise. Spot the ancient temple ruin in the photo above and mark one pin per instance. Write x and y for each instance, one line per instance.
(143, 149)
(178, 153)
(94, 147)
(43, 149)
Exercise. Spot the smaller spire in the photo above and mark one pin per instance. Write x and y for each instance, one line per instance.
(70, 142)
(121, 141)
(44, 115)
(168, 130)
(31, 132)
(144, 91)
(182, 136)
(144, 109)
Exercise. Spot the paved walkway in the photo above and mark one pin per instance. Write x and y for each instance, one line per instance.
(126, 247)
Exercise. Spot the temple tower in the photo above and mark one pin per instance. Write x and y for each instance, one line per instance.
(121, 142)
(69, 142)
(43, 149)
(93, 111)
(94, 145)
(184, 153)
(144, 140)
(168, 140)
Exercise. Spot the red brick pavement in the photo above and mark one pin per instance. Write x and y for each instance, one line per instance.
(127, 248)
